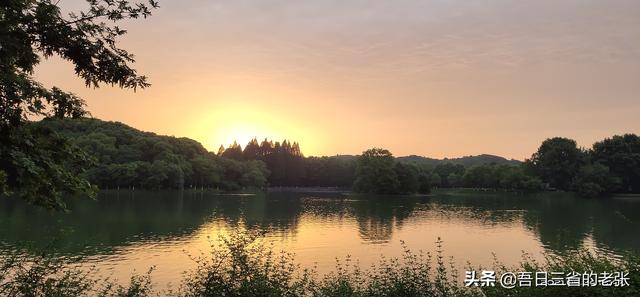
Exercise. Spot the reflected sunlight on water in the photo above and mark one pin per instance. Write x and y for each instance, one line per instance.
(121, 234)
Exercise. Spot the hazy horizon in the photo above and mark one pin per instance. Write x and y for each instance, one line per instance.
(430, 78)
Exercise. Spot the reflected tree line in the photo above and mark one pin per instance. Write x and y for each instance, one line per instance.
(562, 222)
(126, 158)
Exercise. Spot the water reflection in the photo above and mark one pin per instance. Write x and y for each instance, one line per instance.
(378, 216)
(118, 219)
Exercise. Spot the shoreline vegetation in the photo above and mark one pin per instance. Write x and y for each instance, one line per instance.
(241, 264)
(112, 155)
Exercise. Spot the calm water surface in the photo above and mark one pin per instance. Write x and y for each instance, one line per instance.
(128, 231)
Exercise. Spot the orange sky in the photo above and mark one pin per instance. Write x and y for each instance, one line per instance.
(434, 78)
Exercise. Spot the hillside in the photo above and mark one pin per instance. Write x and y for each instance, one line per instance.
(466, 161)
(130, 158)
(127, 157)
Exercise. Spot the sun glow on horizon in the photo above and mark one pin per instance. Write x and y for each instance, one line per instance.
(240, 124)
(241, 133)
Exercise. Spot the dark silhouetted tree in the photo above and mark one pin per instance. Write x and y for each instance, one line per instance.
(233, 152)
(435, 179)
(595, 180)
(621, 154)
(374, 172)
(444, 170)
(252, 150)
(424, 183)
(407, 175)
(557, 162)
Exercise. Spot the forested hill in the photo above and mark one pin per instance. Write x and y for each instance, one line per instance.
(127, 158)
(466, 161)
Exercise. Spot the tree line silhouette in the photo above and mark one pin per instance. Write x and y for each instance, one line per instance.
(288, 167)
(611, 165)
(120, 157)
(126, 158)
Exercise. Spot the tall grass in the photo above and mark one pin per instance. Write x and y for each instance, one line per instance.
(242, 265)
(47, 275)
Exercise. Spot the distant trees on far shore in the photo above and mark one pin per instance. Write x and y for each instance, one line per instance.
(124, 157)
(610, 166)
(378, 172)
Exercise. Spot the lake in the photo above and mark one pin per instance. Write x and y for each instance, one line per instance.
(127, 231)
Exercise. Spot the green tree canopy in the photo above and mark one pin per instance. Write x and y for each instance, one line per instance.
(38, 164)
(446, 169)
(435, 179)
(129, 158)
(233, 152)
(594, 180)
(557, 162)
(407, 178)
(622, 155)
(374, 172)
(33, 29)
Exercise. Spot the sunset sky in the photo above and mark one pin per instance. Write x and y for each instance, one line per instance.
(442, 78)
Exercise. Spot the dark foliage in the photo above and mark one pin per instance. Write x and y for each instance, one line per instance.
(557, 162)
(128, 158)
(610, 166)
(466, 161)
(289, 167)
(492, 176)
(378, 172)
(621, 154)
(445, 170)
(38, 165)
(41, 166)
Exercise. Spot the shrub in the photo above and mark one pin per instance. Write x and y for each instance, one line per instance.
(242, 265)
(48, 275)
